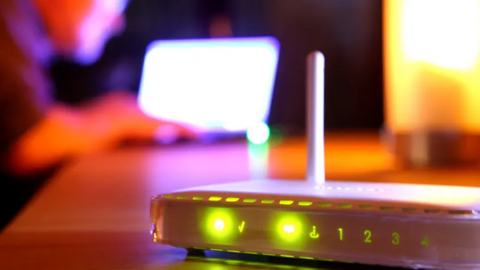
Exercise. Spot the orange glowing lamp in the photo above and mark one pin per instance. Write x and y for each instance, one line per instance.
(432, 71)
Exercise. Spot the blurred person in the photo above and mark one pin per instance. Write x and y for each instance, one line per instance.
(37, 133)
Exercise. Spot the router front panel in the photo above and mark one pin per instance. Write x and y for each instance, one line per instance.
(312, 230)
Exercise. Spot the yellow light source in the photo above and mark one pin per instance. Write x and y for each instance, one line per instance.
(219, 225)
(288, 229)
(431, 54)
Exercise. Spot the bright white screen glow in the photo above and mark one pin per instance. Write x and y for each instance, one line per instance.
(221, 85)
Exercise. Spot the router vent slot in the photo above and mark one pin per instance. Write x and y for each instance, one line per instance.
(459, 212)
(359, 189)
(258, 253)
(292, 203)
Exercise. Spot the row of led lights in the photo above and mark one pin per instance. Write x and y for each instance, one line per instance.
(328, 204)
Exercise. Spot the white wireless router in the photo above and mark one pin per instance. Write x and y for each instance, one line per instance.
(413, 226)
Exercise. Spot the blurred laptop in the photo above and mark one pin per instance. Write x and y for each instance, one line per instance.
(222, 86)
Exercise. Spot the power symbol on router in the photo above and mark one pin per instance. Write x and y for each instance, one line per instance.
(313, 233)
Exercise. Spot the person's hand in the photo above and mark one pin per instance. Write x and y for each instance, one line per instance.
(99, 125)
(116, 117)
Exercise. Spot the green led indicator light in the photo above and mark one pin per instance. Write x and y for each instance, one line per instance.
(325, 204)
(182, 197)
(305, 203)
(287, 256)
(252, 253)
(267, 201)
(344, 205)
(307, 258)
(168, 196)
(340, 232)
(232, 199)
(215, 199)
(197, 198)
(249, 200)
(219, 225)
(233, 251)
(258, 134)
(284, 202)
(289, 229)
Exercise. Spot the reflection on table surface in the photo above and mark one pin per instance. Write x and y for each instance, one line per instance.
(94, 214)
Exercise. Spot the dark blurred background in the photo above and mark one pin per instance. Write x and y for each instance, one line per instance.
(348, 32)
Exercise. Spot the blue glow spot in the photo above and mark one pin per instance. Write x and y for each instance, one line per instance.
(258, 134)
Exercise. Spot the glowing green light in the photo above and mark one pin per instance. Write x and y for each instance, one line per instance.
(284, 202)
(289, 229)
(215, 199)
(219, 225)
(267, 201)
(249, 200)
(325, 204)
(232, 199)
(305, 203)
(197, 198)
(258, 134)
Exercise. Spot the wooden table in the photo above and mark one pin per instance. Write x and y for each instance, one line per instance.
(95, 213)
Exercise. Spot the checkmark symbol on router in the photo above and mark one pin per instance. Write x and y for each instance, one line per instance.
(241, 227)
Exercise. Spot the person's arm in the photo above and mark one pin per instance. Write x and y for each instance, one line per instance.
(53, 139)
(100, 125)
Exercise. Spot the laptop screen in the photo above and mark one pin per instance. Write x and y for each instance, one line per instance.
(220, 85)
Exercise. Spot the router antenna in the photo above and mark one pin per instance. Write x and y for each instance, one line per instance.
(315, 117)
